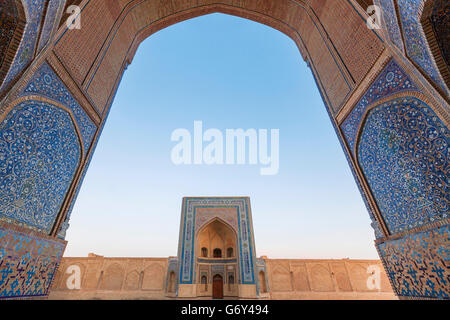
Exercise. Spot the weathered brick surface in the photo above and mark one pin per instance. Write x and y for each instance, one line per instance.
(77, 49)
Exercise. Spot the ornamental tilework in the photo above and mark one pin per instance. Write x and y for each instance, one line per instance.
(40, 153)
(47, 84)
(415, 40)
(187, 254)
(28, 264)
(391, 22)
(50, 22)
(25, 53)
(403, 153)
(418, 265)
(390, 81)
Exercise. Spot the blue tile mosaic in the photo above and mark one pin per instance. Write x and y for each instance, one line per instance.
(391, 80)
(28, 264)
(50, 22)
(25, 53)
(391, 22)
(47, 84)
(403, 152)
(418, 264)
(39, 154)
(415, 40)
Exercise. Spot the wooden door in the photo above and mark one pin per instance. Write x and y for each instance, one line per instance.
(217, 287)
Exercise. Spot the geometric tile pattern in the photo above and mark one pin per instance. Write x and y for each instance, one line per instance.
(403, 153)
(25, 53)
(415, 40)
(39, 154)
(418, 265)
(390, 81)
(28, 264)
(186, 257)
(46, 83)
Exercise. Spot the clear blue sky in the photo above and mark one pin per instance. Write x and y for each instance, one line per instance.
(229, 73)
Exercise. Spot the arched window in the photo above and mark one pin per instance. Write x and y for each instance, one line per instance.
(204, 252)
(205, 283)
(229, 252)
(217, 253)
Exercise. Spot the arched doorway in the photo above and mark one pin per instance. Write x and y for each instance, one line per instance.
(217, 287)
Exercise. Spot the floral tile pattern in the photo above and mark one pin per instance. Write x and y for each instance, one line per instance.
(403, 153)
(39, 155)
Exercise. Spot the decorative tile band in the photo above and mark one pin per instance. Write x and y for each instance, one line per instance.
(391, 22)
(39, 155)
(418, 265)
(46, 83)
(50, 22)
(28, 263)
(403, 153)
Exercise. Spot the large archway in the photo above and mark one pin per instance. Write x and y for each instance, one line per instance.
(360, 72)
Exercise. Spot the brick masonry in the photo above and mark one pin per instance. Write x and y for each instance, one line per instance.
(146, 278)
